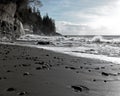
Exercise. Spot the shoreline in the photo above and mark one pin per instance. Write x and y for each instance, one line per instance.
(40, 72)
(115, 60)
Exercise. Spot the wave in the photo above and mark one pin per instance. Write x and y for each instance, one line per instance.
(71, 41)
(100, 39)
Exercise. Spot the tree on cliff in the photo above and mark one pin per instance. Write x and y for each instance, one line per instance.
(30, 14)
(48, 24)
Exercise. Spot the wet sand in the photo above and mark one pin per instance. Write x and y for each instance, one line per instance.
(26, 71)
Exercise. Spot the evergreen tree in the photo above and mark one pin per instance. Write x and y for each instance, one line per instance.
(48, 24)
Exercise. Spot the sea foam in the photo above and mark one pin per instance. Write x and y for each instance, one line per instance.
(68, 51)
(97, 47)
(100, 39)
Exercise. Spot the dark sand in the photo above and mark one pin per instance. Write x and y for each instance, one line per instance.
(28, 71)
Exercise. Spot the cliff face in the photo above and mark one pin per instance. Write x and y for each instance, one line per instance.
(7, 12)
(9, 26)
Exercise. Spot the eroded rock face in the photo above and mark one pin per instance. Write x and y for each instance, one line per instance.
(7, 12)
(11, 31)
(10, 27)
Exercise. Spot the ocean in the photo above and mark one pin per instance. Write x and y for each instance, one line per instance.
(104, 47)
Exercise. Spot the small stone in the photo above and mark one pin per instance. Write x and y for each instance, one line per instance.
(105, 80)
(4, 77)
(11, 89)
(38, 68)
(15, 66)
(94, 80)
(9, 71)
(66, 67)
(22, 93)
(81, 67)
(47, 55)
(51, 65)
(85, 63)
(73, 68)
(27, 58)
(19, 65)
(40, 63)
(77, 71)
(55, 57)
(80, 88)
(97, 68)
(44, 67)
(26, 74)
(105, 74)
(25, 65)
(89, 70)
(102, 67)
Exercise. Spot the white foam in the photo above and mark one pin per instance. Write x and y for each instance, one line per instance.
(95, 39)
(115, 60)
(100, 39)
(31, 37)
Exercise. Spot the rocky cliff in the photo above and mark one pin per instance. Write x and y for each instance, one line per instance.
(10, 27)
(13, 15)
(7, 12)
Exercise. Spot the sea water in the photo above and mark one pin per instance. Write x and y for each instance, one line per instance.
(98, 47)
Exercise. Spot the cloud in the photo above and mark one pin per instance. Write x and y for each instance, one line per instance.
(109, 18)
(68, 28)
(91, 13)
(103, 19)
(85, 16)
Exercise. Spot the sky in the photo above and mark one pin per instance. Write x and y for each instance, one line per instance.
(84, 17)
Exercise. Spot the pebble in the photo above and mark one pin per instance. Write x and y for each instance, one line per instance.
(94, 80)
(22, 93)
(11, 89)
(105, 74)
(38, 68)
(80, 88)
(105, 80)
(26, 73)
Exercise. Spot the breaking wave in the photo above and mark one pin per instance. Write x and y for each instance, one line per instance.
(99, 47)
(101, 39)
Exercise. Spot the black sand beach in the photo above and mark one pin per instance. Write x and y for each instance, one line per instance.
(26, 71)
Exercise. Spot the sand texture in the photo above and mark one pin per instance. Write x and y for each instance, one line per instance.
(28, 71)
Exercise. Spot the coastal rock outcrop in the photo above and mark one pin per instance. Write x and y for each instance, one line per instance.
(10, 27)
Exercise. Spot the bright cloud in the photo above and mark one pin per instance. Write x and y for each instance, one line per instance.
(66, 28)
(99, 20)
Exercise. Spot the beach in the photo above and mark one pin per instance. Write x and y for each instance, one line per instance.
(59, 48)
(31, 71)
